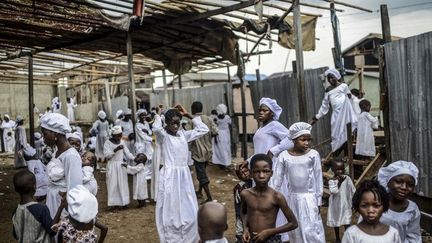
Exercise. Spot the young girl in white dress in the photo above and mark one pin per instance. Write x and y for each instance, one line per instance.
(139, 172)
(400, 179)
(301, 167)
(176, 204)
(371, 201)
(365, 145)
(222, 142)
(341, 191)
(88, 165)
(100, 127)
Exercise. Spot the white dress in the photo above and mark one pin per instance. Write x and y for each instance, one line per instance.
(340, 203)
(70, 111)
(102, 135)
(8, 140)
(407, 223)
(139, 181)
(222, 148)
(305, 189)
(127, 127)
(144, 139)
(36, 167)
(116, 175)
(342, 114)
(89, 181)
(176, 205)
(20, 143)
(274, 137)
(66, 174)
(365, 138)
(355, 235)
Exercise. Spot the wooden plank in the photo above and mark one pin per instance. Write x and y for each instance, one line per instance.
(371, 169)
(350, 151)
(349, 5)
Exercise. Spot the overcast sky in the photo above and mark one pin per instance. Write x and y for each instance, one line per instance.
(407, 18)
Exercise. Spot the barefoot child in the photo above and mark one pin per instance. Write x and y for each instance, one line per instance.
(88, 165)
(365, 138)
(243, 173)
(371, 201)
(341, 191)
(139, 172)
(260, 205)
(400, 179)
(301, 167)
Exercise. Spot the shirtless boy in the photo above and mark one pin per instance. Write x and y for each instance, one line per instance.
(260, 205)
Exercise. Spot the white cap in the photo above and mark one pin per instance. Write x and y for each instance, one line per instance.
(128, 112)
(385, 174)
(75, 135)
(55, 122)
(119, 113)
(334, 72)
(221, 109)
(19, 118)
(37, 135)
(140, 111)
(298, 129)
(116, 130)
(82, 205)
(102, 114)
(272, 105)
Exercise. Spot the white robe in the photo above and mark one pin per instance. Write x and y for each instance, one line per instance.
(39, 170)
(355, 235)
(222, 148)
(157, 161)
(127, 130)
(139, 173)
(20, 143)
(70, 162)
(274, 137)
(8, 141)
(340, 203)
(144, 139)
(342, 114)
(116, 175)
(71, 111)
(101, 137)
(89, 181)
(176, 205)
(365, 138)
(305, 189)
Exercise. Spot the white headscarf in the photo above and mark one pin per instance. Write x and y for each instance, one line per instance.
(334, 72)
(385, 174)
(75, 135)
(6, 115)
(29, 150)
(37, 135)
(298, 129)
(116, 130)
(19, 118)
(119, 113)
(140, 111)
(221, 109)
(128, 112)
(102, 114)
(55, 122)
(82, 205)
(272, 105)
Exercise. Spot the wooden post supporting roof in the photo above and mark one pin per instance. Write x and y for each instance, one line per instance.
(299, 61)
(31, 99)
(108, 98)
(166, 101)
(132, 99)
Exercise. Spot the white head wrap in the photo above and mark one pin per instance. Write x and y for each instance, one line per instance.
(55, 100)
(6, 115)
(272, 105)
(29, 150)
(221, 109)
(82, 205)
(19, 118)
(334, 72)
(55, 122)
(37, 135)
(75, 135)
(119, 113)
(298, 129)
(128, 112)
(102, 114)
(140, 111)
(385, 174)
(116, 130)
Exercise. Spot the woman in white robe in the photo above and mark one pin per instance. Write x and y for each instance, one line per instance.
(54, 128)
(176, 205)
(70, 108)
(100, 127)
(56, 105)
(338, 97)
(8, 134)
(20, 143)
(222, 143)
(116, 175)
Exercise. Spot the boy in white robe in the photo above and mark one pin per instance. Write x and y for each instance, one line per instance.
(365, 145)
(139, 172)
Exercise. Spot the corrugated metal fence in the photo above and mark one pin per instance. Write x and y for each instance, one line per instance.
(284, 89)
(210, 96)
(409, 70)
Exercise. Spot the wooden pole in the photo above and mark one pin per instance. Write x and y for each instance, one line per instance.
(361, 78)
(299, 61)
(385, 25)
(31, 99)
(180, 81)
(337, 52)
(257, 74)
(132, 98)
(108, 98)
(244, 130)
(165, 88)
(350, 151)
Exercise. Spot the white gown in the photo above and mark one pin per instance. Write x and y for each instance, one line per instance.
(71, 111)
(139, 181)
(340, 203)
(176, 205)
(274, 137)
(36, 167)
(101, 137)
(127, 130)
(365, 139)
(89, 181)
(144, 139)
(222, 149)
(342, 114)
(116, 175)
(407, 223)
(305, 189)
(8, 141)
(355, 235)
(68, 164)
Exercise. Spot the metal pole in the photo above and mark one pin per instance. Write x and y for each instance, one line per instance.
(132, 99)
(299, 61)
(31, 99)
(257, 74)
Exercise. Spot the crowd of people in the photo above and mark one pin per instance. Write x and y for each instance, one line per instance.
(278, 198)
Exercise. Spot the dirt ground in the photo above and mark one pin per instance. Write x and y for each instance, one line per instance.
(128, 225)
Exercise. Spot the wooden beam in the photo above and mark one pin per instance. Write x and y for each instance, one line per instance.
(350, 150)
(349, 5)
(31, 99)
(299, 61)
